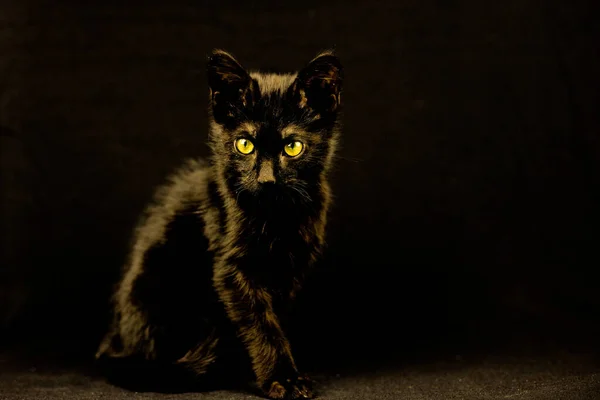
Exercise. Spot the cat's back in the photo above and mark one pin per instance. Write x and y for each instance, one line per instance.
(169, 268)
(173, 233)
(184, 196)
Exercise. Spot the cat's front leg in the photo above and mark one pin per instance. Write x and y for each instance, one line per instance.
(250, 308)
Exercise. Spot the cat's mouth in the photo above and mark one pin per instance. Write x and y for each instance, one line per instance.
(270, 190)
(284, 195)
(274, 195)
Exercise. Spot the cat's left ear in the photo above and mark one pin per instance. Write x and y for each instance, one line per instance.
(318, 87)
(231, 87)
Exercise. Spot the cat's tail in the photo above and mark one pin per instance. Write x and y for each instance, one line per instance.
(109, 346)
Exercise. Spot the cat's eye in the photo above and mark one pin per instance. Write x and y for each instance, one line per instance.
(244, 146)
(294, 148)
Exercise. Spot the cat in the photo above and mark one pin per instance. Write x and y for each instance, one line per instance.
(226, 243)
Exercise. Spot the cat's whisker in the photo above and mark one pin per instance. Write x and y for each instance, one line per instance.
(302, 192)
(239, 188)
(350, 159)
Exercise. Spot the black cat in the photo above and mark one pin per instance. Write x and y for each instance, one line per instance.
(226, 243)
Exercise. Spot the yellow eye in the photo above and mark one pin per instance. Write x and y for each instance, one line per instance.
(244, 146)
(292, 149)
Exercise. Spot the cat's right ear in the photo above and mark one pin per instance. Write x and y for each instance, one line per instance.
(230, 86)
(318, 85)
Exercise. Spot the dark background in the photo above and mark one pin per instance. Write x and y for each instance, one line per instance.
(467, 189)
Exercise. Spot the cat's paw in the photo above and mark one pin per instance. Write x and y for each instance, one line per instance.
(290, 389)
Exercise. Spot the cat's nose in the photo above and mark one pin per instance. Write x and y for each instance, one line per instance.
(265, 172)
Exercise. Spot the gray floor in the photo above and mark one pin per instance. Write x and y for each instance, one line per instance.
(505, 378)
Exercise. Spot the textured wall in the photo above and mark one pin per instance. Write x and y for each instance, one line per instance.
(467, 184)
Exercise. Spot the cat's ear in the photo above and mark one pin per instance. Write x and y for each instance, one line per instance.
(318, 86)
(231, 87)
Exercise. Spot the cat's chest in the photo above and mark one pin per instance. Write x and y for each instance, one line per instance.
(277, 250)
(281, 248)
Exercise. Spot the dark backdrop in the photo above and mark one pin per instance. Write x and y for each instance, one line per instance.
(467, 189)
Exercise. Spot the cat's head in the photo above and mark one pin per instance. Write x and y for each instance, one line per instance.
(274, 134)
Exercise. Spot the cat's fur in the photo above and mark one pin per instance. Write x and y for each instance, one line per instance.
(225, 246)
